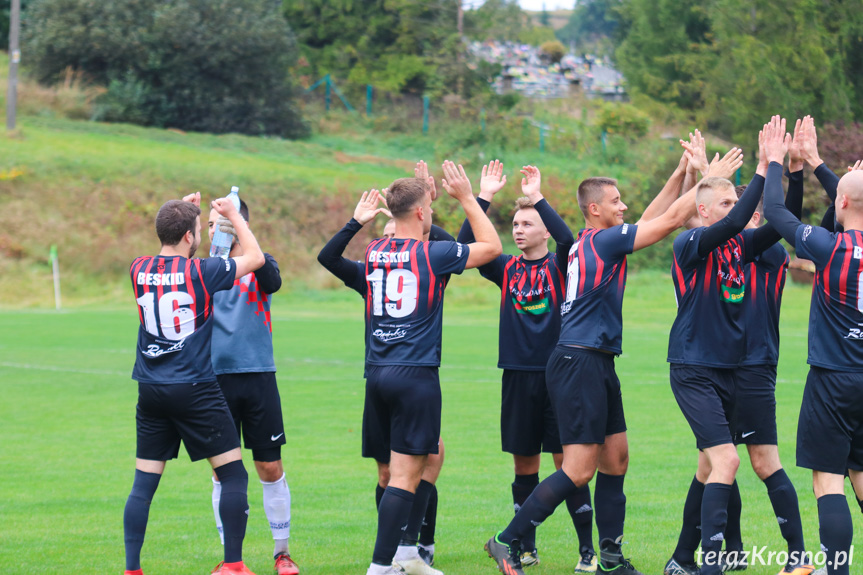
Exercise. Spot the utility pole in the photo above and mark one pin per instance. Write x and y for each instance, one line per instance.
(14, 58)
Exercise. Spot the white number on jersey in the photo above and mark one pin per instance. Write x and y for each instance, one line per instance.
(572, 273)
(177, 322)
(401, 290)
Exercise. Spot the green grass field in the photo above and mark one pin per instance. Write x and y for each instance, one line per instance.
(67, 447)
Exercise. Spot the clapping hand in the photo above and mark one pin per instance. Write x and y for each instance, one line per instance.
(370, 205)
(492, 180)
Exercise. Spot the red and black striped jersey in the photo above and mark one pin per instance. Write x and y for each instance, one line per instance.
(175, 308)
(592, 311)
(765, 280)
(530, 298)
(405, 282)
(709, 327)
(836, 311)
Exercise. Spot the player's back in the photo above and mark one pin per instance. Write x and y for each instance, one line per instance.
(836, 310)
(405, 281)
(174, 297)
(765, 281)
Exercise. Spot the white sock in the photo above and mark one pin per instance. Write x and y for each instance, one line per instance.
(277, 506)
(375, 569)
(406, 553)
(217, 495)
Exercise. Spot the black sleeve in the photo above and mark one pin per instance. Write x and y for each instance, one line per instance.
(829, 180)
(331, 258)
(465, 234)
(559, 231)
(828, 222)
(438, 234)
(268, 277)
(775, 211)
(735, 221)
(766, 235)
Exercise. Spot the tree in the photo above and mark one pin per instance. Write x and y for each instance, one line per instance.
(206, 65)
(554, 50)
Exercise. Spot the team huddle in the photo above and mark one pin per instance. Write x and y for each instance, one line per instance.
(206, 372)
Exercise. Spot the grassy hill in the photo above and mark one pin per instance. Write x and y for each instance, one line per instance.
(93, 189)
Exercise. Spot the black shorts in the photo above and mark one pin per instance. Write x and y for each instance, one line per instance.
(830, 427)
(256, 407)
(585, 392)
(402, 411)
(754, 418)
(706, 398)
(195, 413)
(527, 422)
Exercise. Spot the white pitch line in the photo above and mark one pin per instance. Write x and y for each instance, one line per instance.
(62, 369)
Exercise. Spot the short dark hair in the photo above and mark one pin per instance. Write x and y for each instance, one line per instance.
(174, 219)
(405, 194)
(740, 189)
(590, 191)
(244, 211)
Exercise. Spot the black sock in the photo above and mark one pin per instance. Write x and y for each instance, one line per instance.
(430, 519)
(714, 517)
(610, 503)
(411, 532)
(783, 497)
(733, 537)
(542, 503)
(393, 514)
(690, 531)
(233, 507)
(136, 514)
(522, 487)
(379, 492)
(581, 512)
(836, 530)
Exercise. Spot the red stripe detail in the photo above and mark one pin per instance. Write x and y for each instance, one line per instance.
(550, 270)
(194, 305)
(582, 267)
(505, 283)
(826, 273)
(621, 274)
(675, 269)
(843, 273)
(207, 303)
(753, 276)
(709, 276)
(135, 271)
(431, 276)
(600, 265)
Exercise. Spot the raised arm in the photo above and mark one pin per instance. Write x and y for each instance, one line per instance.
(487, 245)
(648, 233)
(776, 143)
(669, 192)
(253, 257)
(490, 183)
(531, 186)
(349, 271)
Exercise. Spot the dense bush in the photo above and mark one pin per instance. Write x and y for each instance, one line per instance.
(204, 65)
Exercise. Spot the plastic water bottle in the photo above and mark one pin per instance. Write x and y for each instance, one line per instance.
(222, 242)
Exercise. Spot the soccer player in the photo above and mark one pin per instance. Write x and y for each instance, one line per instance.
(532, 291)
(376, 445)
(830, 429)
(708, 273)
(242, 355)
(405, 282)
(178, 397)
(582, 383)
(753, 422)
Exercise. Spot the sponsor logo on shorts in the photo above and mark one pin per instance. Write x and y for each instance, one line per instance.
(747, 434)
(275, 437)
(386, 336)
